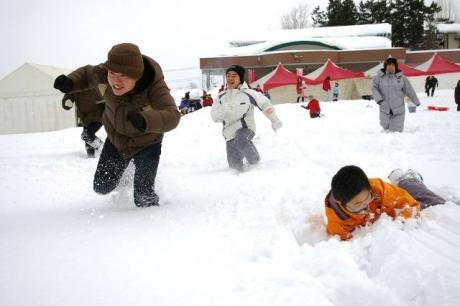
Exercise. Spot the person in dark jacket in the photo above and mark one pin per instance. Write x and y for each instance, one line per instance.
(430, 84)
(139, 109)
(457, 96)
(90, 106)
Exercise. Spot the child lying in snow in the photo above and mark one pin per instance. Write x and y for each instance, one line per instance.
(355, 200)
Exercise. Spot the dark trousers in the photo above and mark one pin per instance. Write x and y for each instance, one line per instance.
(315, 115)
(112, 165)
(242, 147)
(88, 135)
(428, 91)
(89, 132)
(421, 193)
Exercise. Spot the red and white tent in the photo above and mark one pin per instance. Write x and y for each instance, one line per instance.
(409, 71)
(438, 65)
(447, 73)
(334, 72)
(346, 79)
(280, 84)
(277, 78)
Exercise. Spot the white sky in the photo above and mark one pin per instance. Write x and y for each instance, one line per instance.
(74, 33)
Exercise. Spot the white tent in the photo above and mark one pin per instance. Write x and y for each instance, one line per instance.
(29, 103)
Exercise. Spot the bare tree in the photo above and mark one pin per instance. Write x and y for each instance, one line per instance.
(297, 18)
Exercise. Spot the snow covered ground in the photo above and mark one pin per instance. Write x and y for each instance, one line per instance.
(219, 238)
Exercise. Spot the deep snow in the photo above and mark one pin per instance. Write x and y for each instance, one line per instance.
(222, 238)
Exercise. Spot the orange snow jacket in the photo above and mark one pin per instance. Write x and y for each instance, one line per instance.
(387, 198)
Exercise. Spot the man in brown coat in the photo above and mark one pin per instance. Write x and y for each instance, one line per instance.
(138, 110)
(90, 106)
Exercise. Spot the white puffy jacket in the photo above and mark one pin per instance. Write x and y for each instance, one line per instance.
(235, 109)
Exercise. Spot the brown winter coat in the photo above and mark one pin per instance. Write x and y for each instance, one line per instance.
(89, 104)
(150, 96)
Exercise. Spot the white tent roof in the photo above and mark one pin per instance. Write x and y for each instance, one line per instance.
(30, 79)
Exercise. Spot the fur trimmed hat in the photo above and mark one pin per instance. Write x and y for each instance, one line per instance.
(238, 69)
(125, 58)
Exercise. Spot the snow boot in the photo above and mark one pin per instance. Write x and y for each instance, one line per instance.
(396, 175)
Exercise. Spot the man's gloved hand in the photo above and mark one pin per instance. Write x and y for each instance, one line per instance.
(276, 124)
(63, 83)
(67, 103)
(379, 102)
(137, 120)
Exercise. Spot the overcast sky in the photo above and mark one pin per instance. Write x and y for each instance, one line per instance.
(75, 33)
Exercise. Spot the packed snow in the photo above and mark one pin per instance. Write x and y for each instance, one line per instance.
(223, 238)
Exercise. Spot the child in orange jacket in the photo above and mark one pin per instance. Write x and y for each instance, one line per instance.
(355, 200)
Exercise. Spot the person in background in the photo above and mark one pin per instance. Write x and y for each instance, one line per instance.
(457, 96)
(90, 106)
(258, 89)
(327, 87)
(207, 100)
(431, 82)
(335, 92)
(139, 109)
(234, 107)
(184, 106)
(304, 90)
(356, 200)
(299, 89)
(313, 106)
(389, 88)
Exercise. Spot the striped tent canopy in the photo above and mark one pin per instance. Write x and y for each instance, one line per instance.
(334, 72)
(277, 78)
(437, 65)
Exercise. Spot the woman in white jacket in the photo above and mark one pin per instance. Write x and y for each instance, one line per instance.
(235, 109)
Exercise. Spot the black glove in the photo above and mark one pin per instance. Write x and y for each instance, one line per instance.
(66, 105)
(379, 102)
(63, 83)
(137, 120)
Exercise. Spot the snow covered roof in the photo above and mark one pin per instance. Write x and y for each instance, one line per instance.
(329, 43)
(380, 29)
(448, 27)
(370, 36)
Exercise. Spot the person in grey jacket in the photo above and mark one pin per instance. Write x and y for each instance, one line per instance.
(235, 109)
(389, 89)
